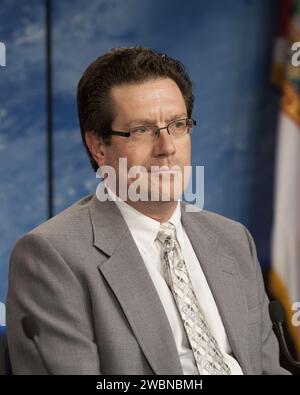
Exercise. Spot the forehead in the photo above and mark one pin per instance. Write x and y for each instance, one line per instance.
(149, 96)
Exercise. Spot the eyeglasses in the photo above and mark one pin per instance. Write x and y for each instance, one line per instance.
(146, 133)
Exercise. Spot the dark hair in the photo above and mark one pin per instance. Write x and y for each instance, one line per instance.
(122, 66)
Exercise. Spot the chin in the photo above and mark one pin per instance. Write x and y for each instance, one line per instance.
(165, 194)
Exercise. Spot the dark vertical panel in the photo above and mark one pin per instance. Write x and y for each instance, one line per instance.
(22, 126)
(48, 13)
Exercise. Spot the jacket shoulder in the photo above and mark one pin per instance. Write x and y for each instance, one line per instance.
(234, 238)
(64, 226)
(215, 223)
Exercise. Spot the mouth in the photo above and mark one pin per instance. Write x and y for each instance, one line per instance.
(164, 169)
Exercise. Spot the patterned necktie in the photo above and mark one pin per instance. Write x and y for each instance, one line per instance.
(208, 357)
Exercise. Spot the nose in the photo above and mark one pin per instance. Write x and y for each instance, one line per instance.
(164, 144)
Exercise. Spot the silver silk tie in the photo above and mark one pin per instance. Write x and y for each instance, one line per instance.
(208, 357)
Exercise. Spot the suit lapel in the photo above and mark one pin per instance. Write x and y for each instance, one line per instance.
(132, 285)
(222, 275)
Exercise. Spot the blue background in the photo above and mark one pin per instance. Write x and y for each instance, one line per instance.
(227, 49)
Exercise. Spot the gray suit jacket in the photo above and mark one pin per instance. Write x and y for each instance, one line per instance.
(81, 275)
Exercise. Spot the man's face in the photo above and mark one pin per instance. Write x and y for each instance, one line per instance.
(155, 102)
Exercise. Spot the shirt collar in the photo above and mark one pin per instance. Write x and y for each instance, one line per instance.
(144, 229)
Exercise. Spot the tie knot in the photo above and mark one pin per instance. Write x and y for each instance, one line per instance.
(167, 232)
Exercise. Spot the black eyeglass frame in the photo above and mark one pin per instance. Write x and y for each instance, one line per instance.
(158, 130)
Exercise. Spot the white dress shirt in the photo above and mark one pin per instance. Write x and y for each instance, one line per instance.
(144, 231)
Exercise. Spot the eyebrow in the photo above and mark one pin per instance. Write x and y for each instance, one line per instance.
(145, 121)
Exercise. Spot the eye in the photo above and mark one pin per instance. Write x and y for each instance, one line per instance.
(179, 124)
(140, 130)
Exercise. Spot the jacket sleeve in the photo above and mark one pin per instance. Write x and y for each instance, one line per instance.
(43, 286)
(269, 343)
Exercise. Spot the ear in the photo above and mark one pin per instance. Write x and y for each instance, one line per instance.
(96, 147)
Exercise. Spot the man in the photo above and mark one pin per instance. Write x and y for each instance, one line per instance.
(128, 286)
